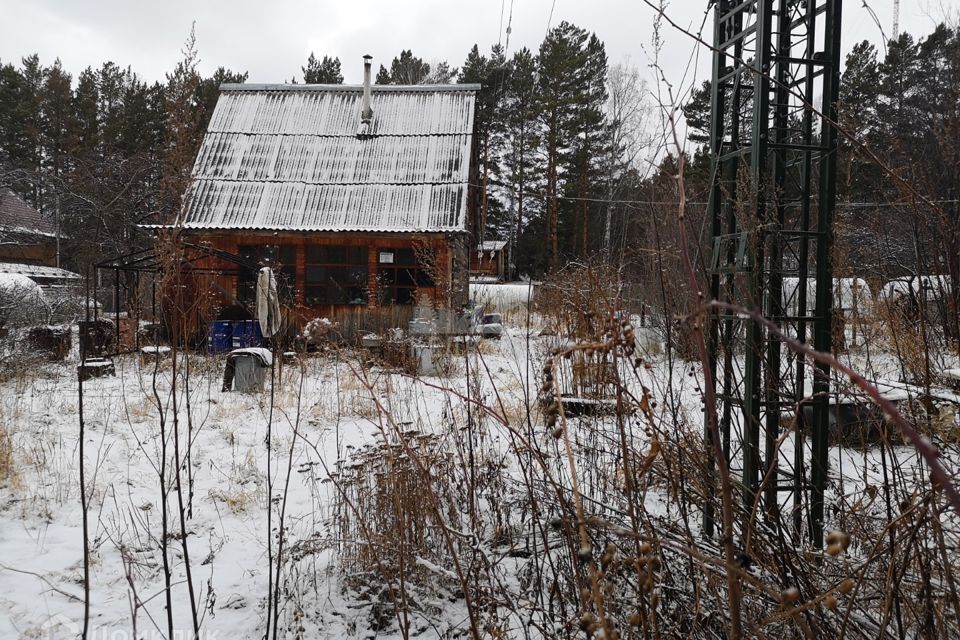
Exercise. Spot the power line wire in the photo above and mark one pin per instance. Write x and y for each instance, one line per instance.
(849, 205)
(500, 37)
(550, 18)
(509, 29)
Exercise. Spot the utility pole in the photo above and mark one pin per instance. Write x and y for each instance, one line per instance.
(58, 230)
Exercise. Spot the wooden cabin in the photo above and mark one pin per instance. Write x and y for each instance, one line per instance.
(360, 197)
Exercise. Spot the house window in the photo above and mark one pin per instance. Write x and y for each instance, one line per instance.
(335, 275)
(281, 258)
(400, 275)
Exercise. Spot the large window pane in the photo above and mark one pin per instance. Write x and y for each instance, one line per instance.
(335, 274)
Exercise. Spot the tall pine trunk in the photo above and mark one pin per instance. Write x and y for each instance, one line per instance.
(584, 228)
(521, 183)
(484, 204)
(553, 243)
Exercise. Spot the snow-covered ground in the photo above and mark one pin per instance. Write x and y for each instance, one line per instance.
(338, 410)
(40, 515)
(503, 296)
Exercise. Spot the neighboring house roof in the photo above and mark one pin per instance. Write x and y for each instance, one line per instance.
(16, 216)
(492, 245)
(288, 157)
(38, 272)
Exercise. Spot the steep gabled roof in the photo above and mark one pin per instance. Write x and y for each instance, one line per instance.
(16, 216)
(288, 157)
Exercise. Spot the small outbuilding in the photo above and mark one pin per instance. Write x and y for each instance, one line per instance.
(488, 262)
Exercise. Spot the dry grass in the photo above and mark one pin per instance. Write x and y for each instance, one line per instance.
(582, 526)
(7, 467)
(245, 485)
(237, 499)
(386, 518)
(358, 400)
(903, 336)
(142, 409)
(516, 411)
(599, 516)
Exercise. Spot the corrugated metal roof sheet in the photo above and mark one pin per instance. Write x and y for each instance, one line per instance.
(222, 204)
(288, 157)
(333, 160)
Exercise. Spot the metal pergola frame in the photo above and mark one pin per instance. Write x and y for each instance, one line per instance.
(771, 204)
(149, 261)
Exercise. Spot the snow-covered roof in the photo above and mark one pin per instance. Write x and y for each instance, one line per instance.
(16, 216)
(493, 245)
(848, 293)
(22, 301)
(288, 157)
(931, 285)
(10, 281)
(38, 271)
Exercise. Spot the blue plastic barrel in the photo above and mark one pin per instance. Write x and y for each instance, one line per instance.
(246, 333)
(220, 336)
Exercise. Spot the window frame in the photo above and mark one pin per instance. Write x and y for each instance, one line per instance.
(354, 260)
(399, 281)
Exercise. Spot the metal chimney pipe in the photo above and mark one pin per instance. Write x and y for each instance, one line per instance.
(366, 113)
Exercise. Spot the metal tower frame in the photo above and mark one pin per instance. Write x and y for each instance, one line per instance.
(776, 64)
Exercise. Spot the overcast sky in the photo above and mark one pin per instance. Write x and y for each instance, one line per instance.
(272, 39)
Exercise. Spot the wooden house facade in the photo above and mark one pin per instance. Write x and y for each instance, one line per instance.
(360, 197)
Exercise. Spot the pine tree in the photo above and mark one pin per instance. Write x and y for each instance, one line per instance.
(86, 99)
(14, 140)
(557, 91)
(933, 153)
(591, 141)
(58, 130)
(111, 81)
(208, 91)
(326, 71)
(490, 73)
(409, 69)
(133, 137)
(58, 126)
(696, 113)
(519, 163)
(894, 110)
(858, 108)
(33, 75)
(572, 87)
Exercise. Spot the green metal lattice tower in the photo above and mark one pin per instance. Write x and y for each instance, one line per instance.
(775, 82)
